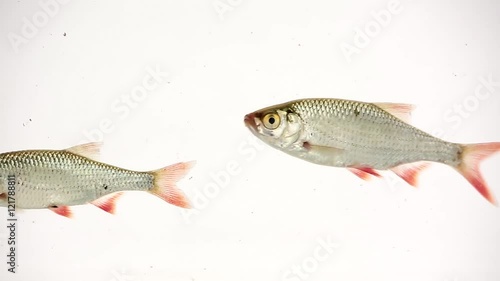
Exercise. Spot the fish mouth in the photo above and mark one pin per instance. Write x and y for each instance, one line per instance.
(250, 121)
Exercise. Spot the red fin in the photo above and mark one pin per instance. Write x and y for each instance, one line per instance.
(472, 155)
(64, 211)
(364, 173)
(409, 172)
(89, 150)
(165, 183)
(107, 203)
(400, 110)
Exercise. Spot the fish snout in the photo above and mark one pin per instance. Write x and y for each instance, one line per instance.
(250, 121)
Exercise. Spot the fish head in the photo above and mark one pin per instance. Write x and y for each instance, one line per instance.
(278, 126)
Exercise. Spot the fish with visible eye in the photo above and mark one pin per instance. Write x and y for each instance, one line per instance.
(57, 179)
(364, 137)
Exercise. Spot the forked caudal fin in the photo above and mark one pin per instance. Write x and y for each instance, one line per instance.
(472, 155)
(165, 180)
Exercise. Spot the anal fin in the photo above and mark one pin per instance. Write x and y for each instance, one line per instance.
(409, 172)
(64, 211)
(107, 203)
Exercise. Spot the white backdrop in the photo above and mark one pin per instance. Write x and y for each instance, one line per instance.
(165, 81)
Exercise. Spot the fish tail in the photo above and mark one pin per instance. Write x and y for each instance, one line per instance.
(472, 156)
(165, 180)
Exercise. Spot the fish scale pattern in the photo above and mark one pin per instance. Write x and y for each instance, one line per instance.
(369, 135)
(47, 178)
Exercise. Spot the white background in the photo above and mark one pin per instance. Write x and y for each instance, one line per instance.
(225, 59)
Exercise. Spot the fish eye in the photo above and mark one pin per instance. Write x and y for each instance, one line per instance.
(271, 121)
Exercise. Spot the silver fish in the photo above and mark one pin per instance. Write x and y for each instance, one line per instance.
(57, 179)
(364, 137)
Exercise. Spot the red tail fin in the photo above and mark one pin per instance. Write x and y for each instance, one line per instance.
(472, 155)
(165, 180)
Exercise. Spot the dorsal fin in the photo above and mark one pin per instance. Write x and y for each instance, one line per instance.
(399, 110)
(89, 150)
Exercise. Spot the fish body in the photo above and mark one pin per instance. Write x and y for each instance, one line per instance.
(363, 137)
(57, 179)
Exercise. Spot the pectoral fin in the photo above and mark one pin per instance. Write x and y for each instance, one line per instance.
(322, 150)
(326, 155)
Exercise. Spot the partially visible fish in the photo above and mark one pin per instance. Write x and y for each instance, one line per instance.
(364, 137)
(57, 179)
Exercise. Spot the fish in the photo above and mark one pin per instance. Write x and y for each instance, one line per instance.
(59, 179)
(365, 138)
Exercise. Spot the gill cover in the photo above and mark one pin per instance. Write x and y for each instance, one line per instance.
(279, 127)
